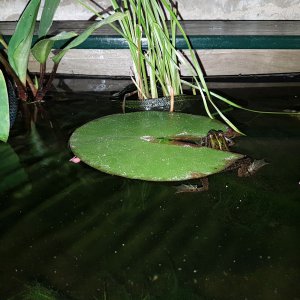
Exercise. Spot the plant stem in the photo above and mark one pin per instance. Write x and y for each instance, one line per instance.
(31, 85)
(22, 93)
(42, 76)
(172, 100)
(41, 93)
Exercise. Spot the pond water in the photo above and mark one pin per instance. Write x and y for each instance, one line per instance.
(71, 232)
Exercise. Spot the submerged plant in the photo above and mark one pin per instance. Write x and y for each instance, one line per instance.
(37, 291)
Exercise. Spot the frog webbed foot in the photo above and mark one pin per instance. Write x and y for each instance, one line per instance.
(249, 167)
(243, 170)
(204, 184)
(191, 188)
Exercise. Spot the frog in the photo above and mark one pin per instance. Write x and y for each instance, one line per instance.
(222, 141)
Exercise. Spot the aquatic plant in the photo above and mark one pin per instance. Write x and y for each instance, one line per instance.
(20, 47)
(154, 146)
(156, 61)
(157, 67)
(15, 57)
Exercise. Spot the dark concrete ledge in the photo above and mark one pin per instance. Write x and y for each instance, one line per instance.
(202, 34)
(192, 28)
(66, 82)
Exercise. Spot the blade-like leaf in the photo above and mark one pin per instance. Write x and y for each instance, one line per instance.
(233, 104)
(47, 16)
(20, 43)
(41, 49)
(84, 35)
(4, 110)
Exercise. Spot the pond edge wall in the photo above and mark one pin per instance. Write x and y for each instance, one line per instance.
(224, 47)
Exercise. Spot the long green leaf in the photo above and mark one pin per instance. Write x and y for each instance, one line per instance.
(130, 32)
(20, 43)
(231, 103)
(198, 86)
(193, 57)
(41, 49)
(4, 110)
(49, 10)
(84, 35)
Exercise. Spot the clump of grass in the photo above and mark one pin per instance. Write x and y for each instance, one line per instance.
(156, 61)
(152, 44)
(152, 47)
(157, 65)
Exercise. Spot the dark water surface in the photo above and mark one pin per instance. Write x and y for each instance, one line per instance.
(70, 232)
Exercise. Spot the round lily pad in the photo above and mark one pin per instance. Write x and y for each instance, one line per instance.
(142, 145)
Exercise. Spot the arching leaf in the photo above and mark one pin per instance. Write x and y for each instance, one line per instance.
(84, 35)
(20, 43)
(41, 49)
(49, 10)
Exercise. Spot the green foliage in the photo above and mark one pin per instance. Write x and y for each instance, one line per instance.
(84, 35)
(19, 49)
(20, 44)
(159, 63)
(139, 20)
(4, 110)
(146, 21)
(41, 49)
(144, 145)
(49, 10)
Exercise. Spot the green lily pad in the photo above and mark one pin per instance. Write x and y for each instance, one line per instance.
(139, 146)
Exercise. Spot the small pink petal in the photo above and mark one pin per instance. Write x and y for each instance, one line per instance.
(75, 160)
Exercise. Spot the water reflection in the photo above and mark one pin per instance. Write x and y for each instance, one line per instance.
(76, 233)
(11, 172)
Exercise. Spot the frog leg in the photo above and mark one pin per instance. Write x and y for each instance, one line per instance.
(222, 141)
(212, 139)
(217, 140)
(243, 169)
(204, 185)
(190, 188)
(229, 141)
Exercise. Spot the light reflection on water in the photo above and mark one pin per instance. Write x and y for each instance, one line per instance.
(75, 233)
